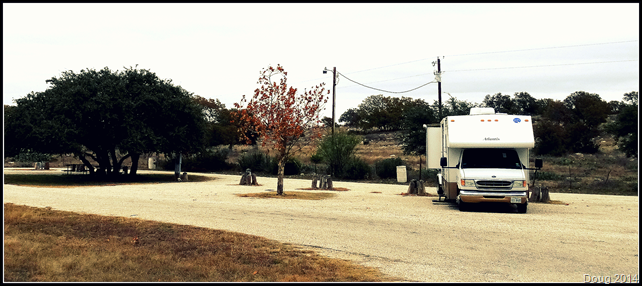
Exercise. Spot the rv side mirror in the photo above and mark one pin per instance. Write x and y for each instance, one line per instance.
(443, 162)
(539, 163)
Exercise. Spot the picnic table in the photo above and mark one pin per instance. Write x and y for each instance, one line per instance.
(76, 168)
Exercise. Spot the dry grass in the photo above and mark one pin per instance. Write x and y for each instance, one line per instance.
(416, 195)
(290, 195)
(553, 202)
(333, 189)
(71, 181)
(44, 245)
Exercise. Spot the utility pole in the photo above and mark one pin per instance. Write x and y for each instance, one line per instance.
(334, 84)
(439, 85)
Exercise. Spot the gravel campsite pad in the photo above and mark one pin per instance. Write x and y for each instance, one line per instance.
(580, 239)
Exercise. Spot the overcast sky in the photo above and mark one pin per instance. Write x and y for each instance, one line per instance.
(218, 50)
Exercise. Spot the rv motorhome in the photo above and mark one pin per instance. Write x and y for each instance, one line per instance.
(482, 157)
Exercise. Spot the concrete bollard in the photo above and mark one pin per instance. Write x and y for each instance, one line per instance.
(314, 181)
(421, 188)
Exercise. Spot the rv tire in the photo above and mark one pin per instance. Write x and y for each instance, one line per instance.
(463, 206)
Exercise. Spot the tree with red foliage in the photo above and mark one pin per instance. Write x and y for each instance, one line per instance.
(281, 116)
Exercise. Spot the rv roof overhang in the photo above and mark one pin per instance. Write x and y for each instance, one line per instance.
(490, 131)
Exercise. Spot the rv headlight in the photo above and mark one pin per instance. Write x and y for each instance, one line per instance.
(519, 184)
(467, 183)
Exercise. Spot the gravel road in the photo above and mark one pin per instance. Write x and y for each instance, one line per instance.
(413, 238)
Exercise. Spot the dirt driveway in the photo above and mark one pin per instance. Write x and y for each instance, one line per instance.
(414, 238)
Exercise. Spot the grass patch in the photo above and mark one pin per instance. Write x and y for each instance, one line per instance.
(417, 195)
(68, 181)
(333, 189)
(44, 245)
(289, 195)
(552, 202)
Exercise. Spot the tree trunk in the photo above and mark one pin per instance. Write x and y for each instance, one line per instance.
(103, 163)
(115, 164)
(178, 160)
(87, 163)
(280, 174)
(135, 158)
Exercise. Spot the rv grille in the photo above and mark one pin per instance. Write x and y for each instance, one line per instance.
(494, 184)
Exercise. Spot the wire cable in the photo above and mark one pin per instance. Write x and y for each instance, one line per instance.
(525, 67)
(387, 91)
(547, 48)
(499, 52)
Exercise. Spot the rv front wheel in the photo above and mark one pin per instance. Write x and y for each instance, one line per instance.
(463, 206)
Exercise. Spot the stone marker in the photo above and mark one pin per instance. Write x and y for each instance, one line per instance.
(248, 179)
(314, 181)
(421, 189)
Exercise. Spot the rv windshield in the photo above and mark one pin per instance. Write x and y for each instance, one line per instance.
(490, 158)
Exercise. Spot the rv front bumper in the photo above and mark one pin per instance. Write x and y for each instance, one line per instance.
(468, 196)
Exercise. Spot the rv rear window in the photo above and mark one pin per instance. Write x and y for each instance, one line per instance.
(490, 158)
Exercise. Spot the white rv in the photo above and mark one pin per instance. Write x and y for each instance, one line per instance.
(483, 157)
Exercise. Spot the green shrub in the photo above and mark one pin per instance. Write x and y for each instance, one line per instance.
(337, 151)
(165, 164)
(387, 168)
(356, 169)
(28, 157)
(292, 166)
(255, 160)
(550, 139)
(212, 160)
(547, 176)
(430, 176)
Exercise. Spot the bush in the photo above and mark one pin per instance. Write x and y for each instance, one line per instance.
(211, 160)
(547, 176)
(337, 151)
(29, 157)
(430, 176)
(387, 168)
(549, 139)
(292, 166)
(259, 162)
(356, 169)
(255, 161)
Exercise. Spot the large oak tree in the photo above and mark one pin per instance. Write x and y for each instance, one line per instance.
(108, 116)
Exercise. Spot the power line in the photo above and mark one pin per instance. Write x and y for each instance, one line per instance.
(499, 52)
(547, 48)
(524, 67)
(519, 67)
(386, 90)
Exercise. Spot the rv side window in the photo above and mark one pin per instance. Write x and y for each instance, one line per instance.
(490, 158)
